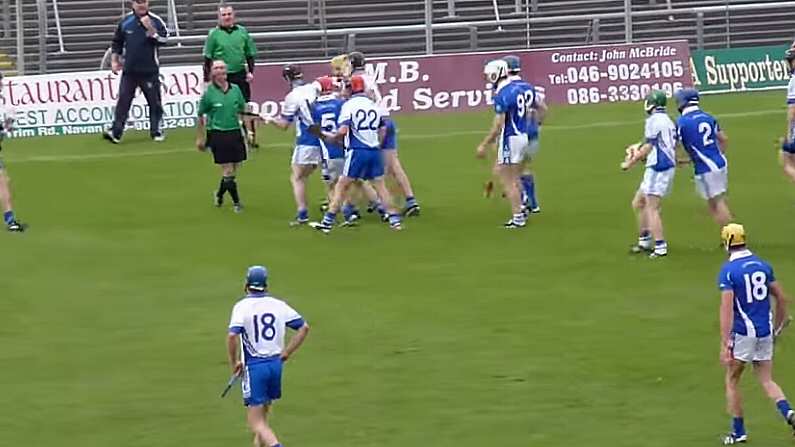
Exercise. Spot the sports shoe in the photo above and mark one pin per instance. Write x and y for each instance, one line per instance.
(320, 226)
(16, 226)
(351, 221)
(218, 201)
(732, 439)
(535, 209)
(238, 208)
(655, 255)
(299, 221)
(159, 137)
(413, 210)
(639, 249)
(397, 226)
(791, 421)
(513, 223)
(108, 135)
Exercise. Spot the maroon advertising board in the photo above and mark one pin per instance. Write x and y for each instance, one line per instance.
(572, 75)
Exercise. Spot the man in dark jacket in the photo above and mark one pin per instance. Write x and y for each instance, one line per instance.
(135, 49)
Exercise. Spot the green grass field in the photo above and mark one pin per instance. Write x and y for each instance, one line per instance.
(454, 332)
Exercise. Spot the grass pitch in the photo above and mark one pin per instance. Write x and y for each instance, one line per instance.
(454, 332)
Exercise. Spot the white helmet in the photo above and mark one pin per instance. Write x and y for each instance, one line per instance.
(495, 70)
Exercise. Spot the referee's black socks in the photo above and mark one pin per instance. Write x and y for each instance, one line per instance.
(229, 184)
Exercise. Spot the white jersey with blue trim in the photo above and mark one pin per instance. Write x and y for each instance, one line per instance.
(791, 90)
(372, 91)
(262, 322)
(661, 134)
(297, 108)
(749, 278)
(363, 118)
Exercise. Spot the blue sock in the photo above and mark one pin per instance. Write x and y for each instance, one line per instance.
(394, 219)
(303, 214)
(277, 445)
(8, 217)
(529, 185)
(738, 426)
(347, 211)
(330, 218)
(783, 407)
(410, 201)
(645, 234)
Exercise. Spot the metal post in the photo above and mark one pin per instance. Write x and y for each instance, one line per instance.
(20, 39)
(428, 26)
(41, 14)
(595, 31)
(534, 5)
(628, 21)
(6, 18)
(518, 7)
(189, 18)
(450, 8)
(321, 9)
(351, 43)
(473, 38)
(58, 26)
(700, 30)
(310, 12)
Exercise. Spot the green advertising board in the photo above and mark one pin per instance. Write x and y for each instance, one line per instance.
(739, 69)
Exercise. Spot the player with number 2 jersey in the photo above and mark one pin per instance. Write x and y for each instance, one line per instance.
(705, 143)
(747, 326)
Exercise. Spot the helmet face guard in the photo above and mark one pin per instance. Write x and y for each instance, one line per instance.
(292, 72)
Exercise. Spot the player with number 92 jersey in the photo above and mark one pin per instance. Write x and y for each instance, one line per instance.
(515, 99)
(705, 143)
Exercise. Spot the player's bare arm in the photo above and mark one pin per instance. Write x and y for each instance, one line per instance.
(726, 318)
(295, 342)
(279, 123)
(201, 134)
(723, 141)
(541, 110)
(634, 156)
(782, 304)
(335, 137)
(232, 355)
(496, 126)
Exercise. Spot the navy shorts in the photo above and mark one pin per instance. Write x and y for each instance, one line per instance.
(262, 382)
(364, 164)
(390, 139)
(788, 148)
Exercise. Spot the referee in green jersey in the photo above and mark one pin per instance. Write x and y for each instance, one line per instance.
(231, 43)
(220, 110)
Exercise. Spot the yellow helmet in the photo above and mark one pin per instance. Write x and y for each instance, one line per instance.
(733, 235)
(341, 66)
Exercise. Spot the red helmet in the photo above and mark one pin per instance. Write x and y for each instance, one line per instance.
(327, 84)
(357, 84)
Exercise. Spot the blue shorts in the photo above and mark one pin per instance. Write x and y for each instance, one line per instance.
(788, 148)
(364, 164)
(390, 139)
(262, 382)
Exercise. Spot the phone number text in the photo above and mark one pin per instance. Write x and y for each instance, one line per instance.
(615, 93)
(619, 72)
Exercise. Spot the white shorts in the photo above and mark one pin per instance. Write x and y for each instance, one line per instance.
(332, 169)
(752, 349)
(657, 183)
(712, 184)
(306, 155)
(514, 151)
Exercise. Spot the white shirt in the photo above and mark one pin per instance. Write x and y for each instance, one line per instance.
(363, 119)
(261, 321)
(791, 91)
(372, 91)
(660, 132)
(296, 106)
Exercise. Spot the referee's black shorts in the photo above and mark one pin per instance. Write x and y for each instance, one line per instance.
(228, 146)
(239, 79)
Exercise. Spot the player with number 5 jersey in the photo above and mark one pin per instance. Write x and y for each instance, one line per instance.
(259, 324)
(748, 326)
(705, 143)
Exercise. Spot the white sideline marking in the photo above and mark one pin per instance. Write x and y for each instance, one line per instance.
(547, 128)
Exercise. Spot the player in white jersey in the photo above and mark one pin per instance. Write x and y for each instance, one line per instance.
(659, 150)
(788, 145)
(258, 328)
(307, 154)
(389, 144)
(6, 126)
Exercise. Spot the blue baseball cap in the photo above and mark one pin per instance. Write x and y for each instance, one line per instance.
(257, 277)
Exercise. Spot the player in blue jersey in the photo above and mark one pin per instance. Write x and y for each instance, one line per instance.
(659, 150)
(361, 126)
(705, 143)
(307, 154)
(538, 111)
(259, 324)
(788, 145)
(512, 102)
(747, 326)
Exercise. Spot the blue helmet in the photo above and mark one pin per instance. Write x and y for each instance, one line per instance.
(686, 97)
(514, 64)
(257, 278)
